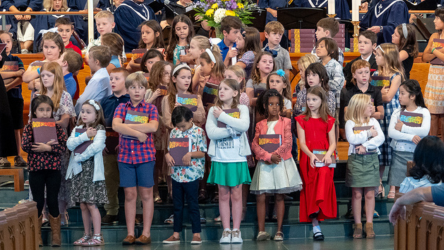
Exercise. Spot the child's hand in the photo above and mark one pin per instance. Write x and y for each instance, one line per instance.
(51, 142)
(313, 160)
(91, 132)
(360, 150)
(398, 125)
(416, 139)
(185, 58)
(217, 112)
(232, 52)
(275, 158)
(177, 104)
(142, 137)
(169, 160)
(156, 94)
(41, 147)
(373, 132)
(186, 159)
(385, 90)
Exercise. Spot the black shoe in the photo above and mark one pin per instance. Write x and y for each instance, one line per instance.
(318, 236)
(110, 219)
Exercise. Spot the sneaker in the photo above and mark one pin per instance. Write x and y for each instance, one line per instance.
(226, 237)
(4, 162)
(19, 162)
(109, 219)
(25, 51)
(236, 237)
(172, 240)
(196, 240)
(262, 236)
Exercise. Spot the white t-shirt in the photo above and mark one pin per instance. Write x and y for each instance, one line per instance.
(227, 150)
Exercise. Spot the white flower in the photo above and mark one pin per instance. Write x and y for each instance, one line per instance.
(219, 15)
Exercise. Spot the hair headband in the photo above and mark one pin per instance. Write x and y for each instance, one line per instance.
(94, 104)
(379, 47)
(181, 66)
(213, 59)
(404, 30)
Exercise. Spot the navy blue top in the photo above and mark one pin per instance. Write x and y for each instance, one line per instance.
(17, 91)
(77, 4)
(341, 7)
(109, 105)
(438, 195)
(35, 5)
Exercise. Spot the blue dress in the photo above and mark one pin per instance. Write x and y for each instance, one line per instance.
(341, 7)
(389, 14)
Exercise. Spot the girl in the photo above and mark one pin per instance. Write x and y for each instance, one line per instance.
(428, 168)
(405, 137)
(182, 30)
(315, 131)
(151, 38)
(276, 172)
(198, 45)
(228, 150)
(362, 173)
(53, 86)
(262, 67)
(149, 59)
(387, 59)
(248, 44)
(303, 64)
(237, 73)
(211, 66)
(404, 38)
(160, 76)
(434, 90)
(278, 81)
(53, 47)
(186, 178)
(44, 161)
(87, 171)
(115, 44)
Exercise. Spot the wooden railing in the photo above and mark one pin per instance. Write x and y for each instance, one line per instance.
(19, 227)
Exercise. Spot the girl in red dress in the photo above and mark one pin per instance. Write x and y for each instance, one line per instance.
(318, 195)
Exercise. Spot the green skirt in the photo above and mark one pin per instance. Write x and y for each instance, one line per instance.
(362, 171)
(229, 174)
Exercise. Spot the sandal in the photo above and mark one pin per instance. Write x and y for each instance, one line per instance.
(357, 233)
(263, 236)
(381, 190)
(96, 240)
(158, 200)
(65, 222)
(389, 196)
(217, 219)
(279, 236)
(170, 220)
(82, 240)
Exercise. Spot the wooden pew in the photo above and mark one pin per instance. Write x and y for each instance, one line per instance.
(22, 215)
(13, 228)
(400, 230)
(31, 225)
(425, 227)
(5, 243)
(437, 232)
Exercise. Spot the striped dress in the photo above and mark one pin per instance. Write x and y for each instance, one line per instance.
(434, 90)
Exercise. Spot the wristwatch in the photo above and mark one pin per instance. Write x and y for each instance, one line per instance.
(381, 28)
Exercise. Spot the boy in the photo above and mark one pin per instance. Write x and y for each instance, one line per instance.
(129, 16)
(328, 27)
(230, 27)
(98, 87)
(65, 28)
(71, 62)
(367, 43)
(13, 83)
(137, 158)
(273, 32)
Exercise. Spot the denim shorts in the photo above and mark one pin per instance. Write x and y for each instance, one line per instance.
(137, 175)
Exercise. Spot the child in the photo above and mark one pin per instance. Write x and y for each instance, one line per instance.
(211, 66)
(53, 48)
(315, 131)
(136, 173)
(362, 173)
(249, 45)
(276, 173)
(228, 150)
(13, 84)
(71, 62)
(303, 63)
(115, 44)
(87, 171)
(433, 93)
(361, 85)
(277, 80)
(367, 44)
(109, 104)
(387, 58)
(328, 27)
(198, 45)
(273, 32)
(186, 178)
(237, 73)
(405, 137)
(151, 38)
(404, 37)
(149, 59)
(65, 28)
(262, 67)
(44, 161)
(182, 31)
(129, 15)
(428, 169)
(231, 27)
(98, 87)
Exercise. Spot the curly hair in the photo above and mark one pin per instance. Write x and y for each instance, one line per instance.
(262, 101)
(427, 161)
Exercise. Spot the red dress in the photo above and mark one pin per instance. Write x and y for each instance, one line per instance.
(318, 192)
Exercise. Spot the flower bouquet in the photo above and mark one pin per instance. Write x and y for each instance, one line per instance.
(213, 11)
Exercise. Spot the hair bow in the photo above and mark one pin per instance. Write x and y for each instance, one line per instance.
(274, 53)
(94, 104)
(281, 73)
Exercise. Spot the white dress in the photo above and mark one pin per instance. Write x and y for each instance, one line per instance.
(282, 178)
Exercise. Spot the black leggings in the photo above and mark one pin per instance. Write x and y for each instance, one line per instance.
(51, 179)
